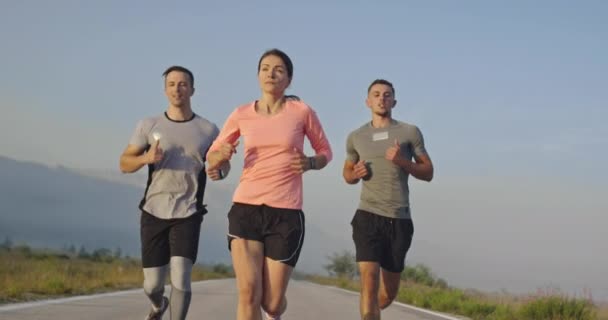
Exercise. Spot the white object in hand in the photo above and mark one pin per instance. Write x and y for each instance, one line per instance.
(156, 136)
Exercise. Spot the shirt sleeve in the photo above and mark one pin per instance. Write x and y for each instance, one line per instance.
(215, 131)
(351, 153)
(418, 143)
(316, 135)
(139, 137)
(229, 133)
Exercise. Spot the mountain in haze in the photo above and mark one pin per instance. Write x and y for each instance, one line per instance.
(56, 207)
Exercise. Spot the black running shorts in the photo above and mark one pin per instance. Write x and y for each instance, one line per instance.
(382, 239)
(162, 239)
(281, 230)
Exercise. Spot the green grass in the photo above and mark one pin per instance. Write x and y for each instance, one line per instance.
(27, 274)
(479, 306)
(557, 307)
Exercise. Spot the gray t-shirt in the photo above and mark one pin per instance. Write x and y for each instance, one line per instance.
(176, 185)
(385, 190)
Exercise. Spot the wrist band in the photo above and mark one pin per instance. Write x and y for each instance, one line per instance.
(311, 162)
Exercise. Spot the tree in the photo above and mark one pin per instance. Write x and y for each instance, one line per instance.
(7, 244)
(82, 253)
(342, 265)
(102, 255)
(23, 249)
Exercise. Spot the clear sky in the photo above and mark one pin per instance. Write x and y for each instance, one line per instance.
(511, 97)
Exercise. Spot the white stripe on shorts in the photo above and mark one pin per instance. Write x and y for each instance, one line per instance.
(299, 241)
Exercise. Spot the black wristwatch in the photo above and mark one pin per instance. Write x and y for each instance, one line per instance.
(313, 162)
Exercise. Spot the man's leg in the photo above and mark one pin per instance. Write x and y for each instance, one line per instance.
(370, 250)
(155, 261)
(183, 236)
(389, 287)
(154, 285)
(181, 291)
(402, 231)
(369, 273)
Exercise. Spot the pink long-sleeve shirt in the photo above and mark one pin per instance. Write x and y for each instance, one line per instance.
(269, 143)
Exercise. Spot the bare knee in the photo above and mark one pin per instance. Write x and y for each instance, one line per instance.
(250, 294)
(274, 306)
(386, 298)
(389, 287)
(388, 292)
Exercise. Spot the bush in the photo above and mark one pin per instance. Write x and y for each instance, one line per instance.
(342, 265)
(222, 268)
(422, 274)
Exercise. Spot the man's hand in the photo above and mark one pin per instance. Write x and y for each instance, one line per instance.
(154, 154)
(360, 170)
(393, 153)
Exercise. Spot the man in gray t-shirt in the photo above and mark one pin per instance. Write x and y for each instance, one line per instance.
(173, 146)
(380, 153)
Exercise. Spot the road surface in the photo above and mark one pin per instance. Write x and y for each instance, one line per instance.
(213, 299)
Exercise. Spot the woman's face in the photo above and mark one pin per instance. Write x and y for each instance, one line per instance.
(273, 75)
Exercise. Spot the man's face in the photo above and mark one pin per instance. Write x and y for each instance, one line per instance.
(381, 99)
(178, 88)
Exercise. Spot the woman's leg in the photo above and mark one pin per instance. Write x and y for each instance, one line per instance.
(276, 277)
(248, 262)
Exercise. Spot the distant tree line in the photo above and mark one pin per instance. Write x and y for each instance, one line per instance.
(67, 252)
(102, 255)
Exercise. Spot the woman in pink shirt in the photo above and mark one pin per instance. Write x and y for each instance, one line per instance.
(266, 222)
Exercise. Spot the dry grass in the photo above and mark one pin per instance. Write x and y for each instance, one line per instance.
(27, 275)
(544, 305)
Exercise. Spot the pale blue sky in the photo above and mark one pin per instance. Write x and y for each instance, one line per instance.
(499, 88)
(496, 87)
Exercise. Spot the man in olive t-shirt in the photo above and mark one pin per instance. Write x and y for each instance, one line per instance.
(380, 152)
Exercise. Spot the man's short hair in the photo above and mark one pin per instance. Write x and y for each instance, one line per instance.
(180, 69)
(381, 81)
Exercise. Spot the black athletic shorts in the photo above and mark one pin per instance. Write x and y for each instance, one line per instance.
(162, 239)
(382, 239)
(281, 230)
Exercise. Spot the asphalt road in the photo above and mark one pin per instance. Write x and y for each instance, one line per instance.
(214, 299)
